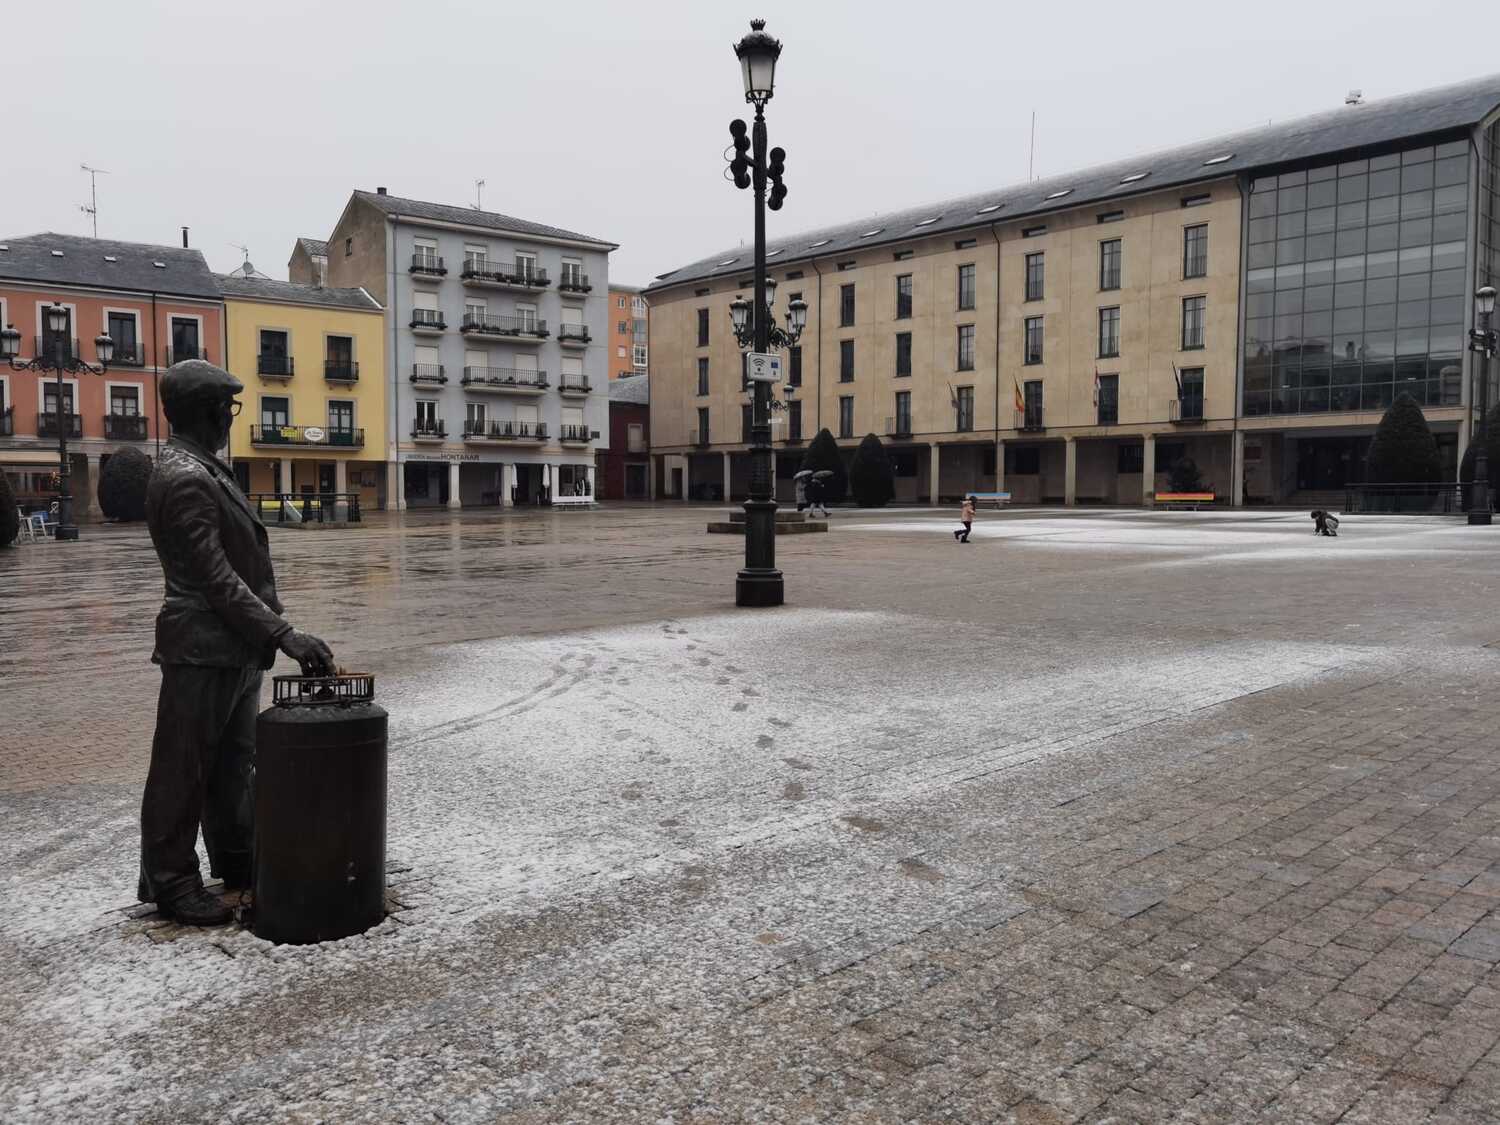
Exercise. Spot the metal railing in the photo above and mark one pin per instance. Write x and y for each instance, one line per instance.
(307, 435)
(575, 282)
(1444, 499)
(428, 373)
(125, 427)
(341, 370)
(1188, 408)
(578, 332)
(428, 318)
(129, 355)
(46, 424)
(503, 325)
(1029, 419)
(899, 426)
(430, 430)
(427, 263)
(41, 348)
(536, 431)
(573, 384)
(520, 273)
(283, 365)
(504, 377)
(306, 507)
(177, 355)
(570, 432)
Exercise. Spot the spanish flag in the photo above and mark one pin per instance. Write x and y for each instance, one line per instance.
(1020, 399)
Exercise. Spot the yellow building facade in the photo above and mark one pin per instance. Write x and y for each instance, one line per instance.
(312, 359)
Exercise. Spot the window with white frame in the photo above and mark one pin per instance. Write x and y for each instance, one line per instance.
(427, 419)
(425, 252)
(572, 370)
(124, 400)
(524, 361)
(525, 263)
(572, 315)
(572, 272)
(638, 306)
(635, 437)
(474, 310)
(639, 358)
(476, 257)
(476, 361)
(527, 316)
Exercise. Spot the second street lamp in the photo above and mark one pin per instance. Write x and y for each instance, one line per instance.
(1482, 342)
(61, 361)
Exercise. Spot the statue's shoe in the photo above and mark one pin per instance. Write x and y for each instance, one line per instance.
(196, 908)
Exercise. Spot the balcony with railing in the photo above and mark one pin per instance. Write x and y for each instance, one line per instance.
(275, 366)
(573, 386)
(512, 431)
(572, 281)
(522, 274)
(125, 427)
(429, 266)
(1030, 418)
(574, 435)
(505, 380)
(428, 322)
(8, 422)
(46, 425)
(1187, 410)
(129, 354)
(346, 438)
(899, 426)
(513, 327)
(177, 355)
(573, 335)
(341, 370)
(428, 374)
(41, 348)
(429, 430)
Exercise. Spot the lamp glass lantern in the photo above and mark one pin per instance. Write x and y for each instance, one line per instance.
(57, 319)
(758, 53)
(770, 292)
(1484, 300)
(10, 342)
(739, 313)
(797, 316)
(104, 346)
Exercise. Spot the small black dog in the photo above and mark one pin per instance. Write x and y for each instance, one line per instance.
(1324, 523)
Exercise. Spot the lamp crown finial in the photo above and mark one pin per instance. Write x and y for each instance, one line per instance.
(757, 25)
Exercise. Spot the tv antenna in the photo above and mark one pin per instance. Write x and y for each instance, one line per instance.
(92, 210)
(479, 195)
(1031, 157)
(245, 250)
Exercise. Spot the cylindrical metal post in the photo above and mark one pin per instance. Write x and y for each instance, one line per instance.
(66, 529)
(1479, 497)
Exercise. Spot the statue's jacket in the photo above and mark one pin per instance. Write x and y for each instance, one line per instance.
(221, 608)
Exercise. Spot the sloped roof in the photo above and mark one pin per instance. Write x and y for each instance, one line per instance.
(1446, 109)
(634, 389)
(315, 248)
(265, 289)
(102, 263)
(468, 216)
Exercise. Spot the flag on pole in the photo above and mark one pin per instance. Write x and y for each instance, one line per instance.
(1177, 377)
(1096, 384)
(1020, 399)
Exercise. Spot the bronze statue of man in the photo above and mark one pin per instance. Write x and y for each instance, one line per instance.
(219, 628)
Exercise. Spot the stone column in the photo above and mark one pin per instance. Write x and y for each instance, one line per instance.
(455, 501)
(341, 484)
(547, 482)
(651, 478)
(508, 485)
(1148, 470)
(687, 476)
(727, 474)
(936, 471)
(999, 464)
(91, 487)
(395, 488)
(1237, 469)
(286, 475)
(588, 475)
(1070, 471)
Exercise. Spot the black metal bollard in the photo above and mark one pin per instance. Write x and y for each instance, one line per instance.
(319, 810)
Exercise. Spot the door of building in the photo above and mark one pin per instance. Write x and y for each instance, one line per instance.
(635, 482)
(326, 478)
(677, 484)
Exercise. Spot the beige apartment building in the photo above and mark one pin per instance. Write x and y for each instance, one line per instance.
(1252, 302)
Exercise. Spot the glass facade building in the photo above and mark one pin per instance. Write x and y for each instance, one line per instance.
(1356, 283)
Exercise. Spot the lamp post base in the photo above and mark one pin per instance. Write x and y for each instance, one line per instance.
(757, 589)
(1479, 519)
(65, 531)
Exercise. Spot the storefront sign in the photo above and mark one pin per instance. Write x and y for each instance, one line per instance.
(314, 433)
(440, 457)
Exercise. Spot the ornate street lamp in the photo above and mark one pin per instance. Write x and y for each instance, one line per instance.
(758, 53)
(61, 361)
(1482, 341)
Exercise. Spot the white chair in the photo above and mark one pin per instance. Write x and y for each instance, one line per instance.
(26, 530)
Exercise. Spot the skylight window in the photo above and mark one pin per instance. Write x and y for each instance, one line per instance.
(820, 242)
(728, 261)
(1058, 194)
(772, 253)
(1219, 159)
(110, 258)
(160, 265)
(57, 253)
(872, 233)
(929, 222)
(1134, 177)
(989, 208)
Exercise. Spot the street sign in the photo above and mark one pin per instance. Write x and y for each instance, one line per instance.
(763, 367)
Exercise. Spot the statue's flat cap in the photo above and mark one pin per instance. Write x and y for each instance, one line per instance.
(194, 377)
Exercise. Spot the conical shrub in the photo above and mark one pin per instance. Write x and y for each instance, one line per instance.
(823, 453)
(871, 478)
(1403, 449)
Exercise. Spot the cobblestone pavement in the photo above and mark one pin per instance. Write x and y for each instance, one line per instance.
(1105, 817)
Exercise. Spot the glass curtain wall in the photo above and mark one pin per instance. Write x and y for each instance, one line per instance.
(1355, 283)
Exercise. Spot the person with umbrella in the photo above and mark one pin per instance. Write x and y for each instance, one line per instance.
(800, 479)
(816, 487)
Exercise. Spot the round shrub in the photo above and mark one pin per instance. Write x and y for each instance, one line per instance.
(871, 478)
(122, 485)
(1403, 449)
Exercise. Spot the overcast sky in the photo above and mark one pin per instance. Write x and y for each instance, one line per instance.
(250, 123)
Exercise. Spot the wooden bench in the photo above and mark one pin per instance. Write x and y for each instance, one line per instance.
(999, 499)
(572, 501)
(1183, 501)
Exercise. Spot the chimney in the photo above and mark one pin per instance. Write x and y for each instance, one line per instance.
(1354, 97)
(184, 238)
(380, 191)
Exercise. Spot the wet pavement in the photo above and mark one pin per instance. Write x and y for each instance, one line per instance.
(1106, 816)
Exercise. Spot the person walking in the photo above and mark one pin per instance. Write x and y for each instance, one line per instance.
(966, 515)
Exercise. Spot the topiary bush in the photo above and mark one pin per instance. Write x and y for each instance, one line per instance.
(871, 478)
(1183, 475)
(1488, 434)
(823, 453)
(10, 519)
(122, 485)
(1403, 449)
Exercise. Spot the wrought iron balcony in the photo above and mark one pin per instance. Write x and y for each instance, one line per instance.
(427, 265)
(46, 424)
(505, 431)
(277, 366)
(574, 334)
(572, 281)
(131, 354)
(436, 430)
(430, 373)
(899, 426)
(475, 324)
(1187, 410)
(504, 379)
(571, 434)
(573, 385)
(520, 275)
(428, 320)
(125, 427)
(7, 421)
(41, 348)
(1029, 419)
(341, 370)
(307, 435)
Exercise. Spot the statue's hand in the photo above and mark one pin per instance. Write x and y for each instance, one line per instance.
(315, 657)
